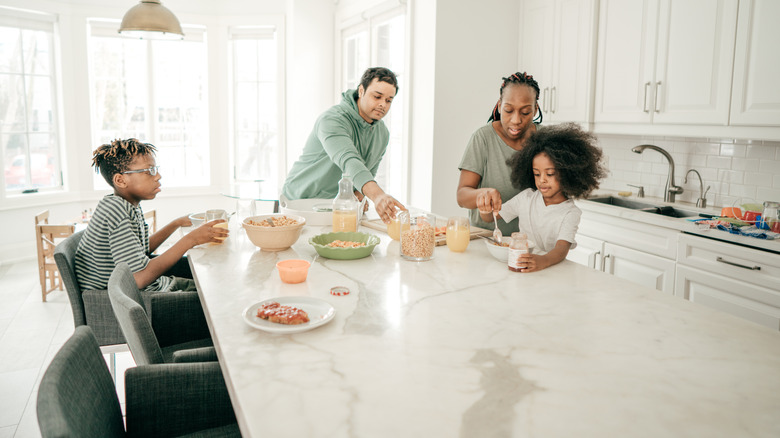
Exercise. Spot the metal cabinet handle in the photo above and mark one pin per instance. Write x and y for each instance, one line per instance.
(655, 104)
(752, 268)
(604, 262)
(544, 96)
(644, 102)
(595, 254)
(552, 100)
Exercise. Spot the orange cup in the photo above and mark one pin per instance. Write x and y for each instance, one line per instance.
(293, 270)
(734, 212)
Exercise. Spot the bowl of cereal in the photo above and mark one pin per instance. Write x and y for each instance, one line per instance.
(274, 232)
(344, 245)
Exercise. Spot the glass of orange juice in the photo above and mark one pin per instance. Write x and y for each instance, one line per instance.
(217, 214)
(345, 220)
(458, 233)
(394, 228)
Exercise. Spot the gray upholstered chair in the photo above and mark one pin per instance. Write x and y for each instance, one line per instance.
(177, 330)
(77, 397)
(90, 307)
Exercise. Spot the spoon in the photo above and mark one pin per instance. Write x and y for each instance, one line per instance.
(497, 236)
(270, 222)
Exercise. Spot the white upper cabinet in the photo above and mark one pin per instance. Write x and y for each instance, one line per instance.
(664, 61)
(756, 93)
(557, 48)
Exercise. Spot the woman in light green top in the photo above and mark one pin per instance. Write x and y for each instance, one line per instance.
(484, 175)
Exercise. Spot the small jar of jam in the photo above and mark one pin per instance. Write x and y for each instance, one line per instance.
(517, 247)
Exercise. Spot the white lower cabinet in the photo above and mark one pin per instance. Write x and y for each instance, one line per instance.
(741, 281)
(640, 253)
(728, 294)
(639, 267)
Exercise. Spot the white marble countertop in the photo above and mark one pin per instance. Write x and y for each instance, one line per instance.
(681, 224)
(461, 346)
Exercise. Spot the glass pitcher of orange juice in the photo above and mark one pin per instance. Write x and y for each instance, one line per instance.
(345, 207)
(458, 234)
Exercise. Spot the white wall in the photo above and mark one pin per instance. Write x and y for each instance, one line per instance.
(459, 57)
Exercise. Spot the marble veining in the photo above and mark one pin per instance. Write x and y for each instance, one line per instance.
(461, 346)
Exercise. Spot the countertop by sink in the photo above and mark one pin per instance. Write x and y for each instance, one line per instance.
(681, 224)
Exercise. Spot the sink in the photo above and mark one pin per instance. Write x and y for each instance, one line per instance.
(622, 202)
(664, 210)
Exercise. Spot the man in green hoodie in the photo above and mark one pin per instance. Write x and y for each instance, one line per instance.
(349, 138)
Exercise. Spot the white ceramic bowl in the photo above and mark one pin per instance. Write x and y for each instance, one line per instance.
(197, 219)
(316, 211)
(273, 238)
(500, 252)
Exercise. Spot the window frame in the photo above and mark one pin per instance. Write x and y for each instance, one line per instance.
(247, 31)
(367, 20)
(24, 19)
(101, 27)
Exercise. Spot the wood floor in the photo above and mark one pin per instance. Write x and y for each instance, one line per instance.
(31, 332)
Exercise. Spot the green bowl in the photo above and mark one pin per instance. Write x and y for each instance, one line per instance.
(320, 243)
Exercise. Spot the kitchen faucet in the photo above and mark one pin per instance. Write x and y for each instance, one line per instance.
(670, 189)
(702, 201)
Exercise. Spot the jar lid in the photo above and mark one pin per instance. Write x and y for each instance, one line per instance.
(339, 291)
(771, 204)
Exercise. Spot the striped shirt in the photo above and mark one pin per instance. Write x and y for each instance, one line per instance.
(117, 232)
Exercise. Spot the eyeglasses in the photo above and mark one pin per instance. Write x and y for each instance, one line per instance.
(152, 170)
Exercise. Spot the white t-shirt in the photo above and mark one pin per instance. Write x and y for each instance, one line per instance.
(544, 224)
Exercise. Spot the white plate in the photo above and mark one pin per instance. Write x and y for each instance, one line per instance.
(320, 313)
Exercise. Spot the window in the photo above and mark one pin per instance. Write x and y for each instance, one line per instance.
(29, 119)
(257, 104)
(155, 91)
(380, 41)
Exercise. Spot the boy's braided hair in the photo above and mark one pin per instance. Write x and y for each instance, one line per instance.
(519, 79)
(115, 157)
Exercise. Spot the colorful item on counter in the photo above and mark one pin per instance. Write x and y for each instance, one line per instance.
(750, 231)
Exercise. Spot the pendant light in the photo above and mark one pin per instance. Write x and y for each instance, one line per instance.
(149, 19)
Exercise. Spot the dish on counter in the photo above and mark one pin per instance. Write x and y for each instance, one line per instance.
(320, 243)
(274, 238)
(500, 252)
(320, 313)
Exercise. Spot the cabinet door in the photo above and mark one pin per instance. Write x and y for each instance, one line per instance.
(588, 252)
(536, 45)
(639, 267)
(572, 65)
(756, 94)
(732, 296)
(626, 60)
(693, 67)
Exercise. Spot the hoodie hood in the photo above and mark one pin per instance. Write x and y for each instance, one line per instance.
(349, 106)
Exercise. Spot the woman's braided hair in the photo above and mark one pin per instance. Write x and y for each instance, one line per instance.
(116, 157)
(573, 151)
(519, 79)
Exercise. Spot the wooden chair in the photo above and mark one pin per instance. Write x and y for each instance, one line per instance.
(46, 236)
(151, 219)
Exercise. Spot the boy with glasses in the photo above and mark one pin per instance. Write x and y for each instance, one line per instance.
(117, 231)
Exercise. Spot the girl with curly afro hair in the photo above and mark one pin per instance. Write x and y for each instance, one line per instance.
(557, 165)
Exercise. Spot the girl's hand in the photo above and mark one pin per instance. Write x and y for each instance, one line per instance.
(488, 200)
(208, 233)
(533, 262)
(184, 221)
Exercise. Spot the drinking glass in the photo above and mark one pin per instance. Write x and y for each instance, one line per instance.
(212, 215)
(458, 233)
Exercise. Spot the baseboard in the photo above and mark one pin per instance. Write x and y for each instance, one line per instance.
(16, 252)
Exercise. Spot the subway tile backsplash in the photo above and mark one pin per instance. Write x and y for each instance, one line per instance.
(737, 171)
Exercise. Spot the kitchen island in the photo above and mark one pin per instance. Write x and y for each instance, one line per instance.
(461, 346)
